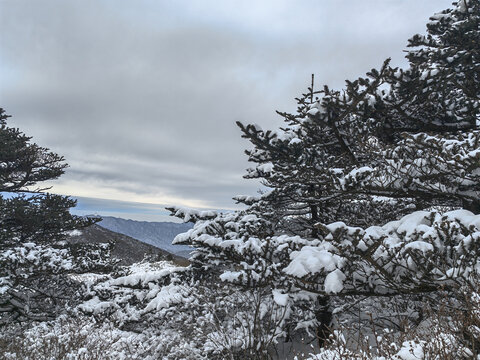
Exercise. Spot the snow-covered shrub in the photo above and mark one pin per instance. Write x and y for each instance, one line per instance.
(422, 253)
(201, 315)
(36, 281)
(83, 338)
(67, 338)
(241, 249)
(409, 263)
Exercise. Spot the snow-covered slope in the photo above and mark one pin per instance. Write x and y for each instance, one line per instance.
(159, 234)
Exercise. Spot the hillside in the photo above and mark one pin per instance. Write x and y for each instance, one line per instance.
(158, 234)
(126, 248)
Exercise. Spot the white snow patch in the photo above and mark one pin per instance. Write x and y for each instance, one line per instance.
(279, 298)
(334, 282)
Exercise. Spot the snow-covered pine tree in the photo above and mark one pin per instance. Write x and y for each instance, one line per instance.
(439, 92)
(429, 119)
(34, 258)
(244, 250)
(302, 165)
(312, 162)
(428, 150)
(388, 144)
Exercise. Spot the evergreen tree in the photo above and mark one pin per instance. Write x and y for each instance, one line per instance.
(388, 144)
(429, 118)
(440, 91)
(316, 163)
(424, 151)
(34, 258)
(312, 165)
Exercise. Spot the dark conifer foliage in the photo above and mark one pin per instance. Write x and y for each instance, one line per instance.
(24, 164)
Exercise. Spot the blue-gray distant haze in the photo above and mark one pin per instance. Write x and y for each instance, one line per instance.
(141, 96)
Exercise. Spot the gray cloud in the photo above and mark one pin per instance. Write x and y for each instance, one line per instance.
(141, 97)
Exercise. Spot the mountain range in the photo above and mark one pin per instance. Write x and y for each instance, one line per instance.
(158, 234)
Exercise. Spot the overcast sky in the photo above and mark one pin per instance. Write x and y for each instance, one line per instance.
(141, 96)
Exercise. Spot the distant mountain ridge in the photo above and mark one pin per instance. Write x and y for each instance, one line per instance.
(126, 249)
(158, 234)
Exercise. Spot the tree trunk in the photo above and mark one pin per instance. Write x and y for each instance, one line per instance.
(324, 317)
